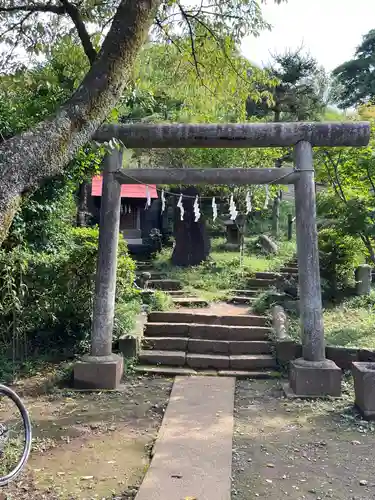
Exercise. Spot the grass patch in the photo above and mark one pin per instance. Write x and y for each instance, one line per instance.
(224, 270)
(350, 324)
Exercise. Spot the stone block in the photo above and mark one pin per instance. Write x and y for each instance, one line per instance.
(364, 388)
(98, 372)
(363, 279)
(342, 356)
(129, 346)
(287, 350)
(366, 355)
(314, 378)
(205, 361)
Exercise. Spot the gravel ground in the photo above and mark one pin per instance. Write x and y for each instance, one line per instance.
(300, 449)
(90, 445)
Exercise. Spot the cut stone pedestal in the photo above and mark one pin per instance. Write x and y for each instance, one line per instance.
(98, 372)
(364, 388)
(313, 379)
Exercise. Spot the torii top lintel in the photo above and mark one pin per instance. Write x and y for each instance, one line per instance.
(249, 135)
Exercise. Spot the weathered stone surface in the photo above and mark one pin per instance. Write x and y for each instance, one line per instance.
(165, 343)
(235, 135)
(342, 356)
(192, 241)
(207, 319)
(98, 372)
(251, 361)
(366, 355)
(267, 245)
(207, 361)
(315, 378)
(173, 358)
(208, 346)
(129, 346)
(308, 258)
(363, 280)
(287, 350)
(364, 388)
(250, 347)
(167, 329)
(279, 322)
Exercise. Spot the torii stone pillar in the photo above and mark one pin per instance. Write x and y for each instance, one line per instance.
(102, 369)
(312, 375)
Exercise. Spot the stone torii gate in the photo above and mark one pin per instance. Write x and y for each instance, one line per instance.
(312, 374)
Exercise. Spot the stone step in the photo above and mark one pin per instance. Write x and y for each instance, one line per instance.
(209, 332)
(266, 275)
(144, 265)
(154, 275)
(289, 270)
(207, 319)
(180, 293)
(207, 361)
(172, 371)
(245, 293)
(190, 302)
(165, 285)
(201, 346)
(260, 283)
(231, 362)
(242, 300)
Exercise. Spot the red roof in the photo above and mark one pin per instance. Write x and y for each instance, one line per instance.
(127, 190)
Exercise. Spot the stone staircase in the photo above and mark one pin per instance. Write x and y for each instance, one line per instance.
(193, 342)
(159, 281)
(262, 281)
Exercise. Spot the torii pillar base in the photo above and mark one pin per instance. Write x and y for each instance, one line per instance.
(313, 379)
(99, 372)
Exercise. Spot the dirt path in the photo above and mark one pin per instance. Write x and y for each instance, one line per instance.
(299, 449)
(92, 445)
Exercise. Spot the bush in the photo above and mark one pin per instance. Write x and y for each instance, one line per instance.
(158, 301)
(340, 255)
(125, 316)
(46, 298)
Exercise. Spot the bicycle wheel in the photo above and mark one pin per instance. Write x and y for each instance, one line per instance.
(14, 452)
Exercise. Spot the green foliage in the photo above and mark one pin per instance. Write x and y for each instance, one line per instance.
(340, 255)
(44, 221)
(300, 93)
(355, 78)
(125, 316)
(224, 271)
(158, 301)
(263, 302)
(46, 298)
(347, 324)
(349, 201)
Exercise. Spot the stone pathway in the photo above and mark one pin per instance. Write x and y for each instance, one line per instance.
(193, 453)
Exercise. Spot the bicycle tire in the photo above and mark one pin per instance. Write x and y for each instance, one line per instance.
(6, 391)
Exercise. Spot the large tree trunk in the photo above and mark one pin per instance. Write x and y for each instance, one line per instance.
(192, 246)
(43, 152)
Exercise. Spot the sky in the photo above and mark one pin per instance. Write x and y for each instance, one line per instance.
(330, 30)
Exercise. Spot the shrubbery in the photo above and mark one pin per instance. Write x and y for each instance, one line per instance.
(340, 255)
(46, 298)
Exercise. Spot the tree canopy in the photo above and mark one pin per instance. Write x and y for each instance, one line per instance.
(355, 79)
(111, 34)
(301, 92)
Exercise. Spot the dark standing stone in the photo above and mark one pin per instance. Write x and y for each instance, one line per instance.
(192, 244)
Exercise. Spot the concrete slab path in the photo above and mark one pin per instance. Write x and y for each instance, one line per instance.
(193, 453)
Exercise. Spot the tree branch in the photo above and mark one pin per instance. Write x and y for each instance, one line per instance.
(66, 8)
(34, 8)
(75, 16)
